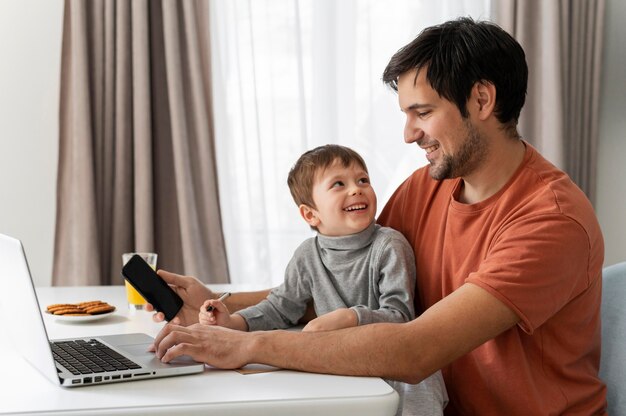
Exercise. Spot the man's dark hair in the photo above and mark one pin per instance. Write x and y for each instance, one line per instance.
(460, 53)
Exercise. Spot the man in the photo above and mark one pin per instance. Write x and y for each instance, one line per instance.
(508, 252)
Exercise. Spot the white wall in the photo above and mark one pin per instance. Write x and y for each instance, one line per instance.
(611, 197)
(30, 46)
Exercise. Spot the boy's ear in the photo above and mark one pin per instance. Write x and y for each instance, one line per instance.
(309, 215)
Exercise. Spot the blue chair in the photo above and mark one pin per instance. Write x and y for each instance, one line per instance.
(613, 361)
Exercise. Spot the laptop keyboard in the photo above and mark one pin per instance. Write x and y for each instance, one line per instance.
(89, 357)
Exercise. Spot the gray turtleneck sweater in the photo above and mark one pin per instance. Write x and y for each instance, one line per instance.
(372, 272)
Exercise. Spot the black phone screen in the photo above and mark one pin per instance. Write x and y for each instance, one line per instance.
(154, 289)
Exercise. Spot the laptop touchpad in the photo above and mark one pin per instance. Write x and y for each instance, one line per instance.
(138, 350)
(141, 352)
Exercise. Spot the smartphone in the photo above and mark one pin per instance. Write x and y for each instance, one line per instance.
(154, 289)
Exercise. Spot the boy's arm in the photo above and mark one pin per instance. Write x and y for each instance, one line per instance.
(284, 306)
(237, 322)
(396, 284)
(337, 319)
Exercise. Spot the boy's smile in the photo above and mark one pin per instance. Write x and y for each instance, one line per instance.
(345, 202)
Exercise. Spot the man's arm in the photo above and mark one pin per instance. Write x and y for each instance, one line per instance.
(409, 352)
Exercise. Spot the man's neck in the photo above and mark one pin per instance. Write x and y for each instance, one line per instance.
(504, 157)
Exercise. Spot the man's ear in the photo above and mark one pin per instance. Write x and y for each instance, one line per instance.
(309, 215)
(484, 99)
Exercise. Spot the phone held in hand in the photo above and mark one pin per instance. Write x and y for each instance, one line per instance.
(152, 287)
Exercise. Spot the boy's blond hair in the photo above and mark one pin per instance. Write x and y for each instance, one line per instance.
(302, 174)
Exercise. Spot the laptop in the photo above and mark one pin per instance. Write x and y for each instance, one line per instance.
(114, 358)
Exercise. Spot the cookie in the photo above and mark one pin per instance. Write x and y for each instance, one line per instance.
(92, 307)
(90, 303)
(98, 309)
(66, 311)
(58, 306)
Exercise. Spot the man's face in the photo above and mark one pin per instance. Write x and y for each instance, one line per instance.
(344, 199)
(453, 146)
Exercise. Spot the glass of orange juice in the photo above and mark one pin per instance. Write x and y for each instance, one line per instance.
(135, 300)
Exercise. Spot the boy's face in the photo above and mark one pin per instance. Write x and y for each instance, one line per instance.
(344, 199)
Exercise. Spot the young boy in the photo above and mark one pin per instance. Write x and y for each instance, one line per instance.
(355, 271)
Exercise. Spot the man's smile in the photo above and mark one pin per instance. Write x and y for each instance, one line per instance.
(431, 149)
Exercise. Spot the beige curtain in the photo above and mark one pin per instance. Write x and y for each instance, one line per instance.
(563, 44)
(136, 157)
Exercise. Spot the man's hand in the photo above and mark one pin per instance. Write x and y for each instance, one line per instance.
(214, 345)
(193, 293)
(337, 319)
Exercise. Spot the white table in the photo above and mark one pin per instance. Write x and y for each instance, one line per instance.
(214, 392)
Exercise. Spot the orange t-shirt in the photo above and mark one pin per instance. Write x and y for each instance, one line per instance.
(536, 246)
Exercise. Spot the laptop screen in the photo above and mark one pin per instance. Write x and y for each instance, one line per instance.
(20, 309)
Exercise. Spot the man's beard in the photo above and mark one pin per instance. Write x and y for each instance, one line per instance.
(472, 152)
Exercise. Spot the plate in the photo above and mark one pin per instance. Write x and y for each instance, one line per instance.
(80, 318)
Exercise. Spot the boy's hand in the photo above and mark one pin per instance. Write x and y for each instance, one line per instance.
(218, 315)
(340, 318)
